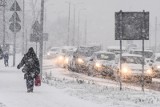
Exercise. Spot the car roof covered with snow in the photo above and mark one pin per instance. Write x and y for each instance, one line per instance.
(146, 50)
(157, 54)
(116, 47)
(106, 52)
(127, 54)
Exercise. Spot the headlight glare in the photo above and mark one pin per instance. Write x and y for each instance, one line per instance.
(98, 65)
(66, 60)
(80, 61)
(149, 71)
(158, 66)
(125, 70)
(48, 53)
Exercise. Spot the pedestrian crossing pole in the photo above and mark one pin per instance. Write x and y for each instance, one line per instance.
(41, 37)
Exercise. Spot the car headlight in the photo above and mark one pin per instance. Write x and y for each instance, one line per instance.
(80, 61)
(66, 60)
(48, 53)
(158, 67)
(125, 70)
(98, 65)
(149, 71)
(60, 58)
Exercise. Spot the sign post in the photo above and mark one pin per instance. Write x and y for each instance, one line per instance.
(15, 26)
(132, 26)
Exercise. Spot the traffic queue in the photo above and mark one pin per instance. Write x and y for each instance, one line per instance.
(92, 61)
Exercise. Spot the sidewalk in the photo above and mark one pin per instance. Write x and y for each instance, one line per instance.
(13, 93)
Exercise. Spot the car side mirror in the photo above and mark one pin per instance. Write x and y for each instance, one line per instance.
(91, 59)
(152, 61)
(150, 64)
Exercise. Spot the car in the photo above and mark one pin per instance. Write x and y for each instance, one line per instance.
(116, 49)
(131, 68)
(101, 63)
(147, 54)
(63, 56)
(78, 62)
(155, 59)
(53, 52)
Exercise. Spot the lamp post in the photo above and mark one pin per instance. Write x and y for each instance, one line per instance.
(85, 37)
(41, 37)
(78, 37)
(3, 4)
(68, 36)
(23, 25)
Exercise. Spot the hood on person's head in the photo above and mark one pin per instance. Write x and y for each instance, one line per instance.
(31, 50)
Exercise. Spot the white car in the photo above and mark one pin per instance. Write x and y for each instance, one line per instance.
(52, 53)
(64, 56)
(156, 64)
(147, 54)
(102, 62)
(81, 57)
(131, 68)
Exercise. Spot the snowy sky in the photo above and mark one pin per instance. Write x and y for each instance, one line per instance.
(100, 15)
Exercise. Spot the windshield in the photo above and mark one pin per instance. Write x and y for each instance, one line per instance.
(87, 51)
(147, 54)
(158, 59)
(115, 51)
(55, 49)
(132, 59)
(104, 56)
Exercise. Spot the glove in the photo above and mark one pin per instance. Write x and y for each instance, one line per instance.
(18, 67)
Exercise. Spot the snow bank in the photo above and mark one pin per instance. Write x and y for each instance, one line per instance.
(107, 94)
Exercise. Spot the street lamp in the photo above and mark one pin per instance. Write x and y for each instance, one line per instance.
(85, 37)
(78, 38)
(68, 36)
(3, 4)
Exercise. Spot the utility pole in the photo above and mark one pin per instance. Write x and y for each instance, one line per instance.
(45, 23)
(68, 37)
(23, 27)
(4, 24)
(14, 41)
(155, 34)
(78, 38)
(41, 37)
(74, 26)
(85, 38)
(3, 4)
(26, 41)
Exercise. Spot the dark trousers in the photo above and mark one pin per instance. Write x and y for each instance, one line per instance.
(29, 83)
(6, 62)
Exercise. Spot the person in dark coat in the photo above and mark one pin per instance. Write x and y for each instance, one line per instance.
(31, 68)
(6, 58)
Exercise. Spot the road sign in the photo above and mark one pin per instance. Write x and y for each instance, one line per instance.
(36, 27)
(45, 36)
(15, 27)
(15, 7)
(132, 25)
(36, 38)
(15, 18)
(2, 2)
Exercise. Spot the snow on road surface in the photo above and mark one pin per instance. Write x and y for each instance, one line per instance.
(65, 91)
